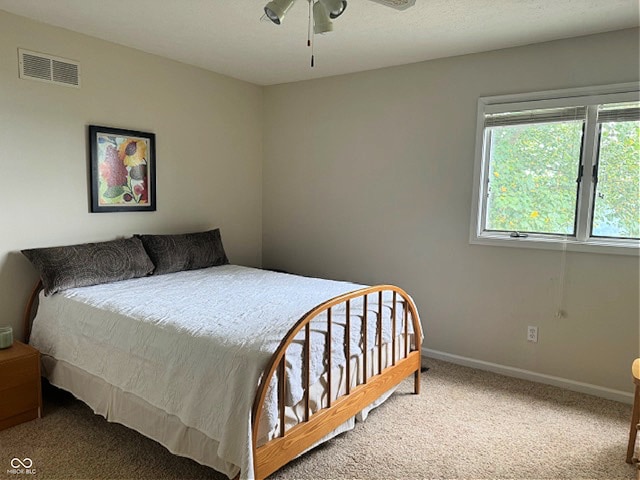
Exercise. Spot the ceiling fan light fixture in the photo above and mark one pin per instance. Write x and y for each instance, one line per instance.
(397, 4)
(334, 7)
(275, 10)
(321, 22)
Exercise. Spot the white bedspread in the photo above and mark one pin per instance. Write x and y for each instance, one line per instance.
(170, 338)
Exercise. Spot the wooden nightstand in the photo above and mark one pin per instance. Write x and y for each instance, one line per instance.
(20, 391)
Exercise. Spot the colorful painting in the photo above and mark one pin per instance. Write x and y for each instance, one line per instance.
(122, 170)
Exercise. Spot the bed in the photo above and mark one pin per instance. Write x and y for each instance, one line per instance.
(240, 369)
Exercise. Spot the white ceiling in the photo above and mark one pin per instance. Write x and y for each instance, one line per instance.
(227, 36)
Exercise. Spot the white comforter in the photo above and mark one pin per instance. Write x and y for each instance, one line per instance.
(192, 343)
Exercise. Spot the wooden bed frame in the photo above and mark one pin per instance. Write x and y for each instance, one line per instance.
(290, 443)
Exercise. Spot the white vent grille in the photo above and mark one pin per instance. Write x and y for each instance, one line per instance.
(47, 68)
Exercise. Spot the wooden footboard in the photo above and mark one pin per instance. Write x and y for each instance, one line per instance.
(289, 443)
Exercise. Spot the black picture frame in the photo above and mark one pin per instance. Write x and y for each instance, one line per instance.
(123, 170)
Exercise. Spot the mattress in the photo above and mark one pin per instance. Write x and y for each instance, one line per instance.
(192, 346)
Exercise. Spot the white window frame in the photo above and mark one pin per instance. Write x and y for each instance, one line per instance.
(590, 97)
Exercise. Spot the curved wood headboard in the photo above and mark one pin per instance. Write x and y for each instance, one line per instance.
(27, 318)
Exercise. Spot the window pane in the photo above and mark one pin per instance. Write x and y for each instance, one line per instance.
(532, 177)
(617, 198)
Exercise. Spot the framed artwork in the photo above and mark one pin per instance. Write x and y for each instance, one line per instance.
(123, 164)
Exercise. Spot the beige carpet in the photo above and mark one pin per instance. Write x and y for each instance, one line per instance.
(466, 424)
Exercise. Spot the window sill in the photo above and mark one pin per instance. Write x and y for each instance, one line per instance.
(606, 246)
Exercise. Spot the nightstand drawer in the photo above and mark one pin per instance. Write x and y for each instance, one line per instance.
(18, 371)
(19, 399)
(20, 396)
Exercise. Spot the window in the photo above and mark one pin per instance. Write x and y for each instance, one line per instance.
(559, 168)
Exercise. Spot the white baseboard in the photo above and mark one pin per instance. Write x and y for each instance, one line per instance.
(609, 393)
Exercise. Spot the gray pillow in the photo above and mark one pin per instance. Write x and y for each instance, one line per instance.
(89, 263)
(187, 251)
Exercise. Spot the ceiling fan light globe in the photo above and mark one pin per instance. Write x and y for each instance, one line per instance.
(321, 22)
(275, 10)
(271, 15)
(334, 7)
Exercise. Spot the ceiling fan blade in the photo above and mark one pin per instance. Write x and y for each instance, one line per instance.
(397, 4)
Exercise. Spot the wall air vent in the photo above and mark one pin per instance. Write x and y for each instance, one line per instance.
(47, 68)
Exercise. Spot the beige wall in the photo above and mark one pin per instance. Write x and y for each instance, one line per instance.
(209, 152)
(368, 177)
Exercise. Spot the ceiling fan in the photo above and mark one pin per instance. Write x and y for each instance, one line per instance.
(323, 11)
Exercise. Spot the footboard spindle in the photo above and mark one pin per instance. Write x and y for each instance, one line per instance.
(348, 345)
(365, 347)
(282, 384)
(379, 332)
(328, 350)
(393, 329)
(307, 367)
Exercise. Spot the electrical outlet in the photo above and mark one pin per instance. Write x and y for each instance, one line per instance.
(532, 334)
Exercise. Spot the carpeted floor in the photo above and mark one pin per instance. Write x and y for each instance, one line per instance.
(466, 424)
